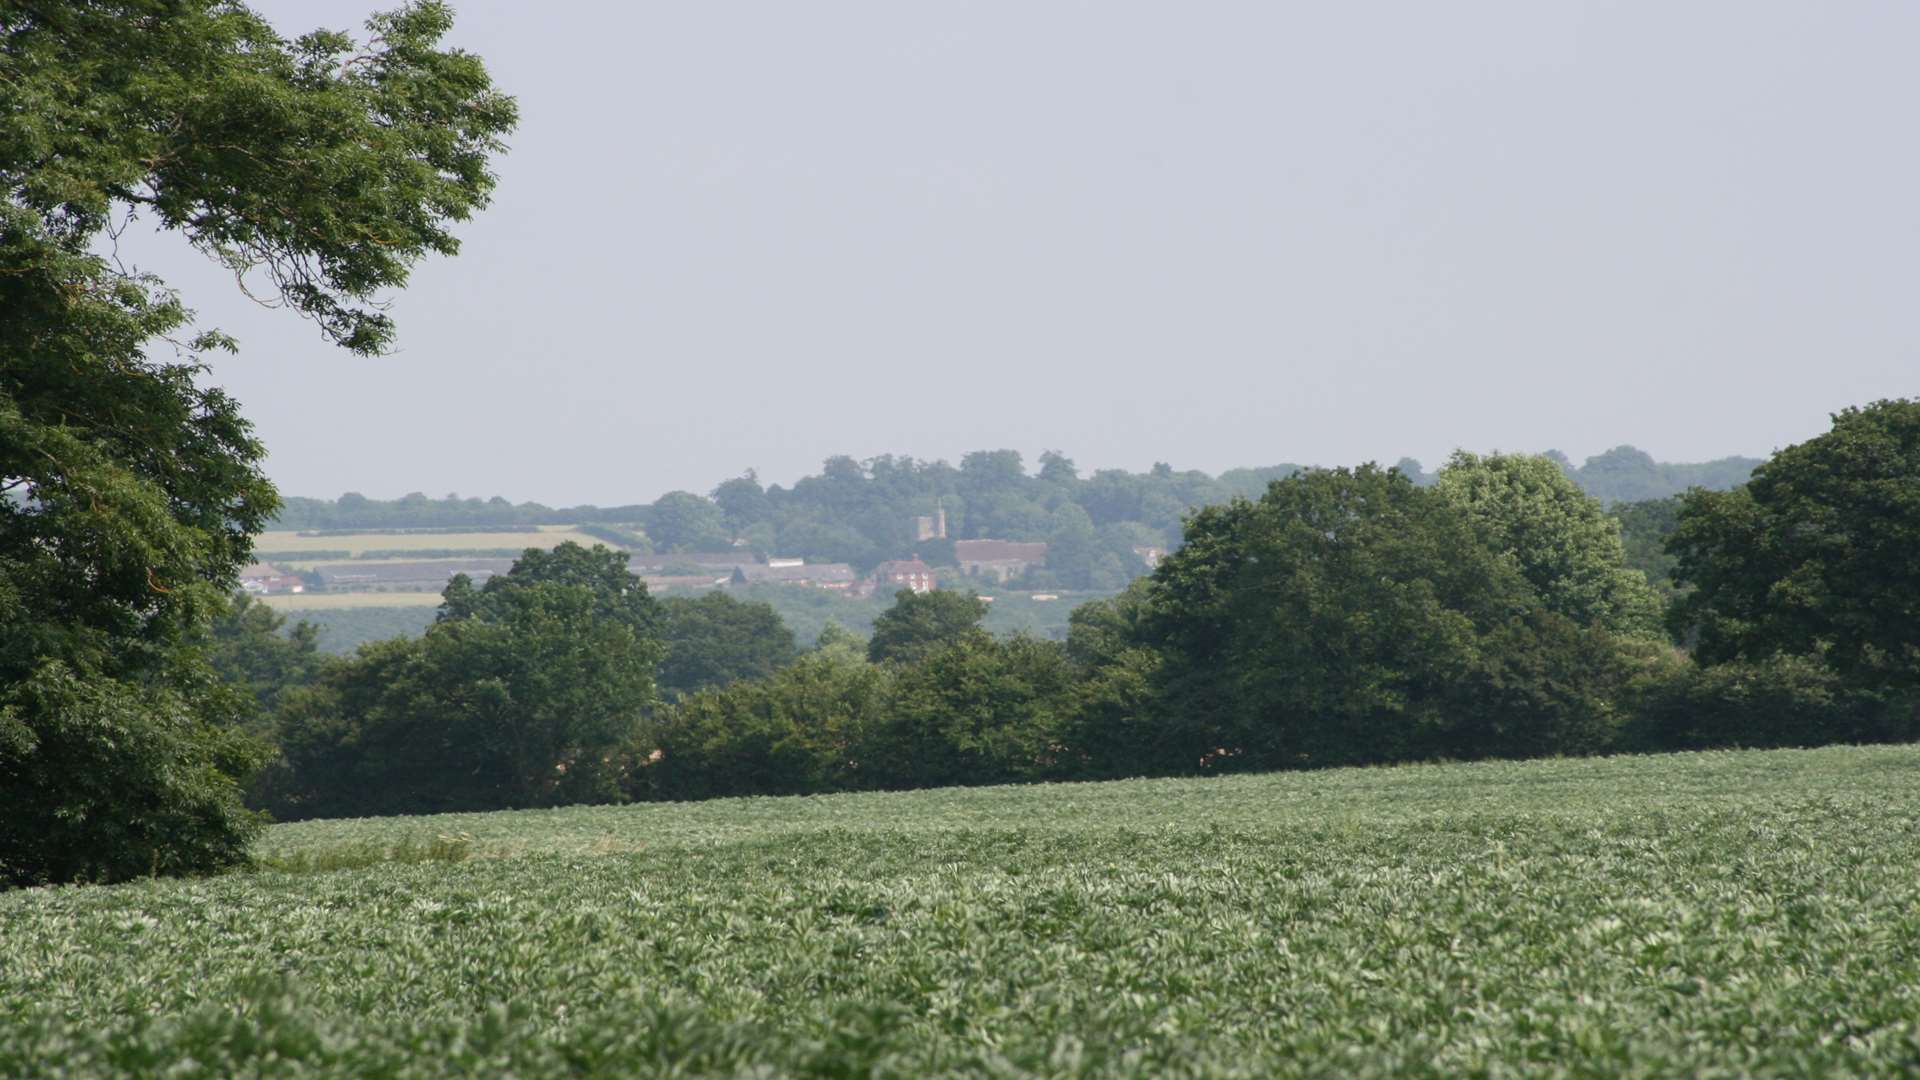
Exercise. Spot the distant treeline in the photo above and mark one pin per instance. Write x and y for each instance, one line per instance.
(1645, 527)
(863, 512)
(1624, 474)
(807, 612)
(1344, 617)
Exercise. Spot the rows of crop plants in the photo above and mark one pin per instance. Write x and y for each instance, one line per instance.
(1707, 914)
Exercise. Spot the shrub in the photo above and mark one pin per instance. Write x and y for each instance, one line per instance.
(799, 731)
(103, 780)
(1780, 701)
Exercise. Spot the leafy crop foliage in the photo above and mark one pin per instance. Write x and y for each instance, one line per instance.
(1704, 914)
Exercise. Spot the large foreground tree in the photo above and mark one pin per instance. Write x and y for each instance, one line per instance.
(321, 169)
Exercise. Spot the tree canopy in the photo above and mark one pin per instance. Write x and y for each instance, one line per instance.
(919, 624)
(1559, 537)
(714, 639)
(683, 521)
(328, 164)
(525, 692)
(1350, 616)
(1818, 555)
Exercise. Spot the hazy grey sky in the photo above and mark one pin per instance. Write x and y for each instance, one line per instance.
(736, 235)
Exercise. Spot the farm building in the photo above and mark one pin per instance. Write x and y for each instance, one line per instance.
(262, 580)
(720, 562)
(663, 582)
(998, 559)
(835, 576)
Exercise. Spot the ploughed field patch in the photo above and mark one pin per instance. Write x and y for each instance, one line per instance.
(1732, 912)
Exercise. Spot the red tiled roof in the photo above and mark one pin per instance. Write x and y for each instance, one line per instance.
(902, 567)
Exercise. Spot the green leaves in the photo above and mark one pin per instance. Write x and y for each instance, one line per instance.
(713, 639)
(106, 781)
(528, 691)
(1560, 538)
(330, 166)
(129, 491)
(920, 624)
(1331, 622)
(1818, 556)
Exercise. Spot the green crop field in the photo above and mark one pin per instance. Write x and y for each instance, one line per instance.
(540, 536)
(314, 605)
(1709, 914)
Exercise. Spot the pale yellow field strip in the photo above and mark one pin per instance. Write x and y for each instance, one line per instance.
(545, 536)
(337, 601)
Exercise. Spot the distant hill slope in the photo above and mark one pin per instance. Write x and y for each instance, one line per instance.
(1101, 530)
(1624, 474)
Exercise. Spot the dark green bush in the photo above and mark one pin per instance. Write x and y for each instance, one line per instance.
(801, 730)
(1542, 686)
(980, 711)
(1781, 701)
(103, 780)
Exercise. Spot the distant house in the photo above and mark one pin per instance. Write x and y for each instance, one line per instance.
(263, 580)
(424, 576)
(721, 562)
(898, 574)
(663, 582)
(1150, 554)
(834, 576)
(998, 559)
